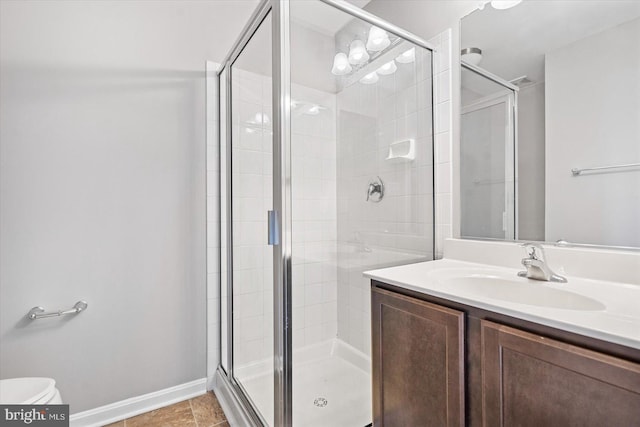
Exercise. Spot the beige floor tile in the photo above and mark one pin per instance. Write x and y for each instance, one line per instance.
(207, 411)
(178, 415)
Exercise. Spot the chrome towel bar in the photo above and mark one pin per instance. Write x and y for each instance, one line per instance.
(38, 312)
(577, 172)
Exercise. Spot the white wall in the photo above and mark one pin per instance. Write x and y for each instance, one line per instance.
(593, 119)
(102, 147)
(530, 192)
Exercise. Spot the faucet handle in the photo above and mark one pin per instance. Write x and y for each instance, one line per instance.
(534, 250)
(376, 186)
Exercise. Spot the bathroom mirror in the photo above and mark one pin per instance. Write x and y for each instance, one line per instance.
(550, 122)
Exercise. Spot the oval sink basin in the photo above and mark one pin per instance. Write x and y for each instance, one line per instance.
(524, 293)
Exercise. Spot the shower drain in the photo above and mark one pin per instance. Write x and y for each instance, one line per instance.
(320, 402)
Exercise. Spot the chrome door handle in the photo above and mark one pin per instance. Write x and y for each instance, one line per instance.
(273, 231)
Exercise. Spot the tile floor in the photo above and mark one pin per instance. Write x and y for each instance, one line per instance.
(201, 411)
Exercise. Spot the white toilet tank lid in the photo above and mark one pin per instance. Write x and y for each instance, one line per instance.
(25, 390)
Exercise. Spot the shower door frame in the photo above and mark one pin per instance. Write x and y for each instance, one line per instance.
(230, 386)
(280, 233)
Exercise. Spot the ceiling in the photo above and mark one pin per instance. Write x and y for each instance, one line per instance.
(321, 17)
(514, 41)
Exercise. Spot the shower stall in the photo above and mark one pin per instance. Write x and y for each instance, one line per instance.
(326, 171)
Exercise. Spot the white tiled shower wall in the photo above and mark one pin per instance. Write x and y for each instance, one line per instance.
(314, 220)
(443, 138)
(398, 228)
(252, 198)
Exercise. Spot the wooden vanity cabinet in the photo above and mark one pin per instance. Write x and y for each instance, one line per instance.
(418, 365)
(441, 363)
(529, 380)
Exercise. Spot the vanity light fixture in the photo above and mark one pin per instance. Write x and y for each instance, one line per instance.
(378, 39)
(388, 68)
(341, 65)
(370, 78)
(407, 57)
(357, 53)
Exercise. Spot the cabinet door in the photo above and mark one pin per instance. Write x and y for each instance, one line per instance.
(418, 363)
(529, 380)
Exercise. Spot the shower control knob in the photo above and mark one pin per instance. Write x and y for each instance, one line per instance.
(375, 191)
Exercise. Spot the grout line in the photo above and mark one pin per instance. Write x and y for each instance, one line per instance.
(192, 414)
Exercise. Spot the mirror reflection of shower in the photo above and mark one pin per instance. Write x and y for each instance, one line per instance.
(487, 153)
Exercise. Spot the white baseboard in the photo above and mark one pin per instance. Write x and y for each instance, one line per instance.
(137, 405)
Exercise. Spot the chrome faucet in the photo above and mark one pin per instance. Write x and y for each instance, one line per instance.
(536, 265)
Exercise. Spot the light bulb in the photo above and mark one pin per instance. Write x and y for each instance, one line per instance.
(357, 53)
(407, 57)
(378, 39)
(259, 119)
(314, 110)
(370, 78)
(504, 4)
(388, 68)
(341, 65)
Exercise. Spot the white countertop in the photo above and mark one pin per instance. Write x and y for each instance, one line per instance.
(615, 317)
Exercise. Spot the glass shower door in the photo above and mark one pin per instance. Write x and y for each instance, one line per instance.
(350, 131)
(250, 189)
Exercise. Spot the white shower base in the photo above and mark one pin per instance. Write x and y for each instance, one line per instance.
(331, 372)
